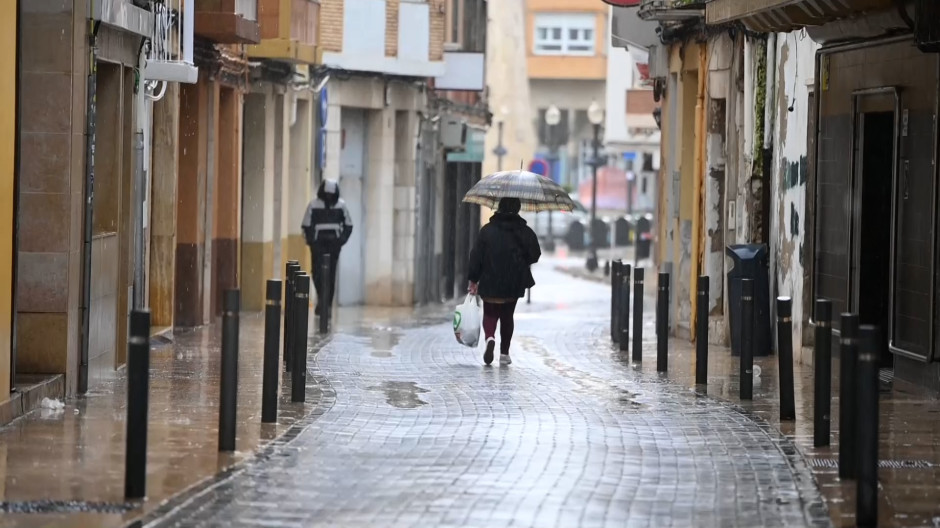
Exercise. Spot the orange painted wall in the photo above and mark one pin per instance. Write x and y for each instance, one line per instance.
(7, 173)
(567, 67)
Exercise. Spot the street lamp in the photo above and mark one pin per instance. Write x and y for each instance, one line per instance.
(552, 118)
(595, 115)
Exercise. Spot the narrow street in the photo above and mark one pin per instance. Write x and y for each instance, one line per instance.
(415, 431)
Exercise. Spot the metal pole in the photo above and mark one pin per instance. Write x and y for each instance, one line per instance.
(592, 259)
(615, 301)
(822, 363)
(500, 150)
(848, 389)
(138, 402)
(624, 308)
(326, 288)
(746, 365)
(785, 357)
(866, 499)
(228, 383)
(662, 324)
(301, 315)
(638, 298)
(701, 333)
(272, 332)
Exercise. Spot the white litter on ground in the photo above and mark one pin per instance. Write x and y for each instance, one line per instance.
(49, 403)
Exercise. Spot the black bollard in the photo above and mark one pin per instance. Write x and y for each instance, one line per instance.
(228, 383)
(662, 324)
(326, 288)
(624, 306)
(701, 333)
(822, 365)
(138, 402)
(301, 315)
(615, 301)
(866, 494)
(272, 332)
(528, 296)
(848, 388)
(638, 297)
(785, 357)
(292, 270)
(746, 366)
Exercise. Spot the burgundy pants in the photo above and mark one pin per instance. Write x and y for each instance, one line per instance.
(499, 313)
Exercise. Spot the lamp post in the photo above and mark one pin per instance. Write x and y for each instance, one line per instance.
(595, 115)
(500, 150)
(552, 118)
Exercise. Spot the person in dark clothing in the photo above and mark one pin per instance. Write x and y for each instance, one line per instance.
(327, 227)
(500, 272)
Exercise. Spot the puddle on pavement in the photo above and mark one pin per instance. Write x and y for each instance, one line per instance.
(383, 340)
(401, 394)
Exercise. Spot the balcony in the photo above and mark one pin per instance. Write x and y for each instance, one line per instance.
(366, 46)
(228, 21)
(170, 55)
(671, 10)
(789, 15)
(288, 31)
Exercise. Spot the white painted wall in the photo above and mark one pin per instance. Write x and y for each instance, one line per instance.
(790, 255)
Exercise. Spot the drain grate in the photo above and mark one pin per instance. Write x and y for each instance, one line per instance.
(53, 506)
(884, 464)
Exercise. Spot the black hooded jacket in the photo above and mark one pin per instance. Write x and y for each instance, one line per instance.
(500, 260)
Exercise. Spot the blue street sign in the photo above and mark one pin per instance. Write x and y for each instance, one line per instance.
(538, 167)
(629, 156)
(324, 105)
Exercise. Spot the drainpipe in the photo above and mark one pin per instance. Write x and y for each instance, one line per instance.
(697, 177)
(140, 177)
(768, 147)
(89, 197)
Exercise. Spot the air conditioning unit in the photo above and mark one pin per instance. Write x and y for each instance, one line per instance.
(453, 133)
(927, 25)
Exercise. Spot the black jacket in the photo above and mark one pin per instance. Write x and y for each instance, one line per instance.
(500, 260)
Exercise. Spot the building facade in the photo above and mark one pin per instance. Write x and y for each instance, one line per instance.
(8, 198)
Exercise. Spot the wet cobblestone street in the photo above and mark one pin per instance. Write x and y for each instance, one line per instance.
(415, 431)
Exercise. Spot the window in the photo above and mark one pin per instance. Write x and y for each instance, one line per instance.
(564, 34)
(453, 31)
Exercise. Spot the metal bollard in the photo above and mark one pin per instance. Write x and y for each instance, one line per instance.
(866, 494)
(701, 333)
(301, 314)
(272, 332)
(662, 324)
(138, 402)
(528, 296)
(326, 288)
(228, 383)
(292, 270)
(848, 388)
(785, 357)
(624, 306)
(615, 301)
(638, 297)
(822, 365)
(746, 370)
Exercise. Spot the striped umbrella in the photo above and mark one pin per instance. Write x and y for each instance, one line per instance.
(536, 193)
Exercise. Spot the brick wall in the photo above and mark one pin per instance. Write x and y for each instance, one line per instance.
(438, 23)
(391, 28)
(331, 25)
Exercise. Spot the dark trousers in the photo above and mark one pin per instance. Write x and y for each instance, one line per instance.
(499, 313)
(318, 254)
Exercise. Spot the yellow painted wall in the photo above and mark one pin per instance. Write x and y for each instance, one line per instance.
(7, 168)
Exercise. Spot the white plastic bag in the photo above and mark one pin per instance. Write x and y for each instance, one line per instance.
(467, 321)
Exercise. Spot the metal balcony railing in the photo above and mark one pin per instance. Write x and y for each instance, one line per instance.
(171, 52)
(670, 10)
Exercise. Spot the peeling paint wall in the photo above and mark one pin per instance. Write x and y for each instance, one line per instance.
(788, 249)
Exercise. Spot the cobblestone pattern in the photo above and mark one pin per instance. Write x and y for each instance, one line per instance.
(421, 434)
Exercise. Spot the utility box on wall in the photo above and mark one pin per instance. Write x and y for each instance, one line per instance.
(453, 133)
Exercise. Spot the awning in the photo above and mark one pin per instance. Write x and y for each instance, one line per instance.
(641, 121)
(788, 15)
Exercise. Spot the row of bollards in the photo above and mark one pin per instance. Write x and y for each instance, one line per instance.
(858, 391)
(296, 314)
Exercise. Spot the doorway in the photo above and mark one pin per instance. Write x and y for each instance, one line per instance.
(875, 177)
(351, 273)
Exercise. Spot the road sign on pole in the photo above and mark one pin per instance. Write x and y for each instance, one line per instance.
(539, 167)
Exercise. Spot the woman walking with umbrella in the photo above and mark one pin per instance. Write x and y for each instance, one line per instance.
(499, 270)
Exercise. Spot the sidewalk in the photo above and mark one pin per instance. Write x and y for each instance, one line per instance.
(66, 467)
(909, 448)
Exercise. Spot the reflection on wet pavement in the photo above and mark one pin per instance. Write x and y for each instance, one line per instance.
(566, 436)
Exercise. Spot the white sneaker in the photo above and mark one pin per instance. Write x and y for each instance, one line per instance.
(504, 359)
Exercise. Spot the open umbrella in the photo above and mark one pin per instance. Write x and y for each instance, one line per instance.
(536, 193)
